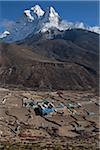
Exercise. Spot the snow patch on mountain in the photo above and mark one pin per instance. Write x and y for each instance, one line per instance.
(37, 10)
(95, 29)
(4, 34)
(28, 15)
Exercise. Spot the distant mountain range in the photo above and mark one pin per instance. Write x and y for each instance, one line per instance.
(43, 52)
(36, 20)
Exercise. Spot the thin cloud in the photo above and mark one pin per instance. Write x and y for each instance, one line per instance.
(7, 24)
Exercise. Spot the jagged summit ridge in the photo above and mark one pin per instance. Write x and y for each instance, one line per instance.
(37, 10)
(53, 15)
(33, 12)
(37, 20)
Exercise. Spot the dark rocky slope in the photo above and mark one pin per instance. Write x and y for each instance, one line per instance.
(68, 61)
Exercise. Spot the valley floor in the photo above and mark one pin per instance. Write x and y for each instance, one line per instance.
(73, 122)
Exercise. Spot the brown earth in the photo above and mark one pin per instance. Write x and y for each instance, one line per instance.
(21, 128)
(24, 66)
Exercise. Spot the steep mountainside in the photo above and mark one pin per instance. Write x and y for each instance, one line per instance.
(76, 45)
(68, 61)
(42, 51)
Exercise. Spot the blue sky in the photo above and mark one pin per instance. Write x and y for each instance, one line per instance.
(85, 11)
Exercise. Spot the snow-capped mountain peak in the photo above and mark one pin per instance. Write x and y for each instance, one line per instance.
(37, 20)
(51, 19)
(37, 10)
(52, 15)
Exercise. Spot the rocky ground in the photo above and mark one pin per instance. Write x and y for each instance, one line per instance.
(73, 126)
